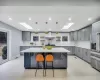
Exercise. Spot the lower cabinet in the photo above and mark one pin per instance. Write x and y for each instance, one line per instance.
(93, 62)
(89, 56)
(98, 65)
(82, 53)
(27, 60)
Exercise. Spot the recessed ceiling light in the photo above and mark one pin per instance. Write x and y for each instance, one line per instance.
(56, 22)
(46, 22)
(50, 19)
(68, 25)
(89, 19)
(69, 19)
(26, 25)
(30, 19)
(10, 18)
(36, 22)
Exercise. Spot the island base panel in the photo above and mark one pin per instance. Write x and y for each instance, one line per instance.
(60, 61)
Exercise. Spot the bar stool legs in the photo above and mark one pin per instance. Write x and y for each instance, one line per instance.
(52, 69)
(37, 67)
(45, 68)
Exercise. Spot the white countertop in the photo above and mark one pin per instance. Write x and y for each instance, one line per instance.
(56, 50)
(42, 45)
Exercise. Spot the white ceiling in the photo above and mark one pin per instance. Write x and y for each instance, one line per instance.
(48, 2)
(40, 14)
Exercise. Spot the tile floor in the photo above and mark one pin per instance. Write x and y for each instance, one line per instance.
(77, 70)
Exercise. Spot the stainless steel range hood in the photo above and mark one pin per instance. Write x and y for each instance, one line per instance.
(49, 36)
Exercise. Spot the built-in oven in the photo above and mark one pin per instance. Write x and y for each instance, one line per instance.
(93, 46)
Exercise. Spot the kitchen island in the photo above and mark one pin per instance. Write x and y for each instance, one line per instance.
(59, 53)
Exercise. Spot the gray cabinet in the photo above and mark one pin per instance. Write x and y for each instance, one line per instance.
(86, 55)
(72, 36)
(82, 34)
(75, 36)
(89, 54)
(87, 33)
(79, 35)
(93, 62)
(78, 51)
(98, 64)
(82, 53)
(75, 50)
(26, 36)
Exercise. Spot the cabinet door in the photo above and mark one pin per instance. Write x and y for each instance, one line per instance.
(85, 55)
(75, 36)
(26, 36)
(71, 36)
(78, 51)
(86, 34)
(98, 65)
(89, 33)
(93, 62)
(27, 60)
(89, 55)
(73, 49)
(79, 35)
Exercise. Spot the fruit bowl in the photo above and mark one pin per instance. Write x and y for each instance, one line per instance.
(49, 47)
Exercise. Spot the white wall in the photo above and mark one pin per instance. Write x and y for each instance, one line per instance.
(83, 44)
(14, 40)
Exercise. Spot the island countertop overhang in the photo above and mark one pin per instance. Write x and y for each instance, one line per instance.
(54, 50)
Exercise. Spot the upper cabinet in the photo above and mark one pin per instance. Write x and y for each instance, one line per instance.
(26, 36)
(81, 35)
(73, 36)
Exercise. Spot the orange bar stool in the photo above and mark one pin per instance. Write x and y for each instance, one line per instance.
(49, 58)
(39, 58)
